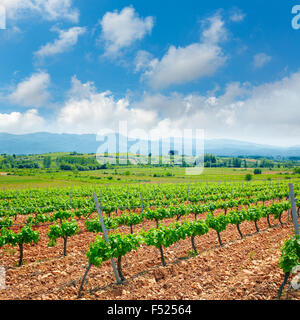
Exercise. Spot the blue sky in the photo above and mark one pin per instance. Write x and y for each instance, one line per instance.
(231, 68)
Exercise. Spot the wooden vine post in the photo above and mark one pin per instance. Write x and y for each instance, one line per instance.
(99, 210)
(293, 208)
(142, 206)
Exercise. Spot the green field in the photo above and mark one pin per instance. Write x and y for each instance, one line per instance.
(133, 175)
(68, 169)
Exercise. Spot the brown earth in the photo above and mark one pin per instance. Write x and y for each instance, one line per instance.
(241, 269)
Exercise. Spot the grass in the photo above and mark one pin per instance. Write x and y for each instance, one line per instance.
(17, 182)
(132, 175)
(251, 255)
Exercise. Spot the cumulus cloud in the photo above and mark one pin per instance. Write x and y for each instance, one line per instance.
(122, 29)
(31, 92)
(66, 40)
(214, 29)
(89, 111)
(185, 64)
(142, 60)
(20, 123)
(261, 59)
(268, 113)
(48, 9)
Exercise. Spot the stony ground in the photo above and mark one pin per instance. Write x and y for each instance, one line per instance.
(241, 269)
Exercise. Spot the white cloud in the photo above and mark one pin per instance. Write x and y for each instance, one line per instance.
(215, 30)
(66, 40)
(20, 123)
(268, 113)
(181, 65)
(80, 91)
(48, 9)
(89, 111)
(142, 60)
(185, 64)
(261, 59)
(237, 16)
(32, 92)
(121, 30)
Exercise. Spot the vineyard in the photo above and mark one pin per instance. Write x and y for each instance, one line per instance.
(159, 236)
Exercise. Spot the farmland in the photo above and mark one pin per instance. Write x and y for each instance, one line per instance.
(23, 179)
(208, 236)
(149, 150)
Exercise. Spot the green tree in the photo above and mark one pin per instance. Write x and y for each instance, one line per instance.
(237, 163)
(47, 162)
(297, 170)
(248, 177)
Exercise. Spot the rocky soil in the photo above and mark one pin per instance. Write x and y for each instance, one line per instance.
(242, 269)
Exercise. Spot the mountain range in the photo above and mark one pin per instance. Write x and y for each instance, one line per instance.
(43, 142)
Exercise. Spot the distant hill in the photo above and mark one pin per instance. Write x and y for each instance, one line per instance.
(37, 143)
(42, 142)
(226, 147)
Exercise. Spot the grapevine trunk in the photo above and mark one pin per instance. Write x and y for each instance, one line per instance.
(120, 268)
(219, 238)
(286, 276)
(21, 254)
(256, 226)
(65, 245)
(162, 256)
(268, 219)
(239, 230)
(193, 244)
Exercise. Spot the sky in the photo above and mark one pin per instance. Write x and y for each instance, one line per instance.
(231, 68)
